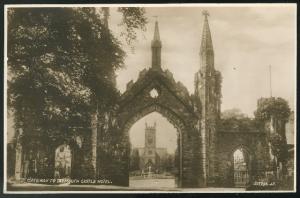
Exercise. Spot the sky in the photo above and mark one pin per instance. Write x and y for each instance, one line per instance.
(247, 38)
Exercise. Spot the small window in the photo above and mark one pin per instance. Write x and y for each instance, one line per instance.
(154, 93)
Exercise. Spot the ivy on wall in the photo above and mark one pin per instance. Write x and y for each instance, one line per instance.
(276, 107)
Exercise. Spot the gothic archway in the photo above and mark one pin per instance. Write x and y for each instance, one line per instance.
(67, 157)
(63, 161)
(157, 91)
(172, 118)
(241, 166)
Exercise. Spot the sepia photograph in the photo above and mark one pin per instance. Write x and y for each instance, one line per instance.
(156, 98)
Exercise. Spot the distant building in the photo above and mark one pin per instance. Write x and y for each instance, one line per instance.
(150, 157)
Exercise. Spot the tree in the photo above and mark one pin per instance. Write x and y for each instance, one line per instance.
(61, 63)
(277, 108)
(278, 147)
(235, 120)
(273, 113)
(169, 163)
(133, 18)
(232, 113)
(135, 160)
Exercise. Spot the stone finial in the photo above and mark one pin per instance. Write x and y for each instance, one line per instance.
(205, 13)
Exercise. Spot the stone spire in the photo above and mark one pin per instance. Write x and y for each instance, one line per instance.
(156, 48)
(206, 49)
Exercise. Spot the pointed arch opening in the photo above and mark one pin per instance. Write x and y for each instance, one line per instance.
(63, 162)
(178, 128)
(241, 167)
(154, 157)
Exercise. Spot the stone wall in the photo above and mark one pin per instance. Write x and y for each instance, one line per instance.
(254, 143)
(36, 155)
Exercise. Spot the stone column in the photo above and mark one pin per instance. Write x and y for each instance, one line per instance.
(94, 141)
(203, 151)
(18, 164)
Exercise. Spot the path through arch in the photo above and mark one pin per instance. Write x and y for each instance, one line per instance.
(154, 155)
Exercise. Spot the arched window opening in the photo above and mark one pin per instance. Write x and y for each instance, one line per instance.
(63, 158)
(240, 166)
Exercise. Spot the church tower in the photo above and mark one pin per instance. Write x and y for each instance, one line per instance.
(208, 91)
(150, 146)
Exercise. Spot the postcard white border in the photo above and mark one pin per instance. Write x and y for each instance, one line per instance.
(294, 5)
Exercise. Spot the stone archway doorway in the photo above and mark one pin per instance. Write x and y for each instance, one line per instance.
(241, 167)
(162, 168)
(63, 162)
(157, 91)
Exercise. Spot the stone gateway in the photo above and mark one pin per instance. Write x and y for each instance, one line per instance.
(208, 155)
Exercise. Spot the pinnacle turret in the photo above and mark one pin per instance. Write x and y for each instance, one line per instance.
(206, 49)
(156, 48)
(156, 37)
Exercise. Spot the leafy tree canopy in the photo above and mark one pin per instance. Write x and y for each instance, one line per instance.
(233, 120)
(133, 18)
(278, 146)
(276, 107)
(236, 124)
(232, 113)
(60, 61)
